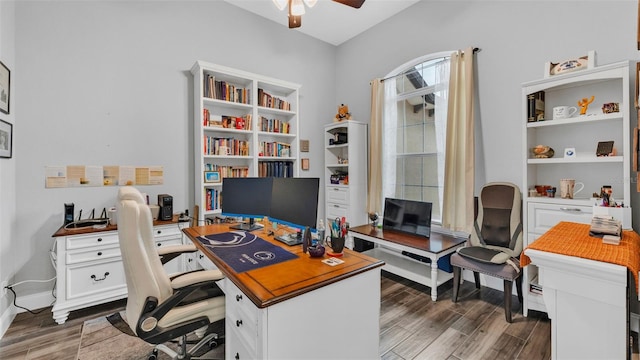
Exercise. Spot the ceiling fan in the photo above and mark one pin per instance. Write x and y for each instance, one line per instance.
(296, 8)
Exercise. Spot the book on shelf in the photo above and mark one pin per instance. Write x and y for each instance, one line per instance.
(267, 100)
(535, 106)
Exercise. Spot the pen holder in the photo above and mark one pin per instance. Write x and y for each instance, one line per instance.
(336, 244)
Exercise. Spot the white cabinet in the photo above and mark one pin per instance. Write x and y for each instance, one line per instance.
(245, 125)
(346, 163)
(607, 84)
(89, 267)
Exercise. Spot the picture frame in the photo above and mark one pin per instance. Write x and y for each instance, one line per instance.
(212, 177)
(6, 139)
(605, 148)
(305, 164)
(5, 82)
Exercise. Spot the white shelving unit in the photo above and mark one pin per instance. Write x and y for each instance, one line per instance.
(347, 155)
(269, 150)
(608, 84)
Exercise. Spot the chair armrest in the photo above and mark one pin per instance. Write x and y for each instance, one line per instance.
(195, 277)
(176, 249)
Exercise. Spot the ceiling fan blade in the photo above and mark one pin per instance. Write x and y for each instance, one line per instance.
(353, 3)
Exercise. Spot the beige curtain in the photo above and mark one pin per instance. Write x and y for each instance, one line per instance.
(457, 209)
(374, 197)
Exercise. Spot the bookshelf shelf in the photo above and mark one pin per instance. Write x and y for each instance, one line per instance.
(227, 97)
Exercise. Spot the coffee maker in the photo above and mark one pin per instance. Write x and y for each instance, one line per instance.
(165, 202)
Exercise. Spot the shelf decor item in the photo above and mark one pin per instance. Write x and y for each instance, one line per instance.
(609, 108)
(212, 177)
(6, 139)
(605, 148)
(570, 65)
(5, 81)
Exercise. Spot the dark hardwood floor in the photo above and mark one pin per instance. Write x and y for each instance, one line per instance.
(411, 327)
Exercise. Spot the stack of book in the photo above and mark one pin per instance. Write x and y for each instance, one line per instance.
(606, 227)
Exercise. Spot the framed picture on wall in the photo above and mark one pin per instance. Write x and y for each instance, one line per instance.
(5, 77)
(6, 139)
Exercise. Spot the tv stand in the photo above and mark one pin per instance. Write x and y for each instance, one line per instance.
(389, 245)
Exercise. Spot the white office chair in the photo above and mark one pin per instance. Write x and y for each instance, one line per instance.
(160, 308)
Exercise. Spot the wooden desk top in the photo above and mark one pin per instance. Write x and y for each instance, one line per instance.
(434, 244)
(88, 230)
(275, 283)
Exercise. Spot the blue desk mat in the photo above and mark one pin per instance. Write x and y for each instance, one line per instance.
(244, 251)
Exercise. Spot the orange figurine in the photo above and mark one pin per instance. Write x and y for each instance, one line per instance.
(584, 104)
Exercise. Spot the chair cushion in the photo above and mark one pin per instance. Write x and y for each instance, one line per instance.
(503, 271)
(483, 254)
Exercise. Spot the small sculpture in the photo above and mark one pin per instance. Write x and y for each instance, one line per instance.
(343, 113)
(373, 216)
(543, 152)
(584, 104)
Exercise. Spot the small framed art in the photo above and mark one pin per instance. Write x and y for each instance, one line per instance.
(6, 139)
(212, 177)
(5, 77)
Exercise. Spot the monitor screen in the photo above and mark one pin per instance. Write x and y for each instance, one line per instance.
(408, 216)
(246, 197)
(294, 201)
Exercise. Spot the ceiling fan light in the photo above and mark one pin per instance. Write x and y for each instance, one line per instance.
(310, 3)
(297, 7)
(280, 4)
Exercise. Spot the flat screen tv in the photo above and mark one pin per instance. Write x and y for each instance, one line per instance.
(408, 216)
(294, 201)
(247, 197)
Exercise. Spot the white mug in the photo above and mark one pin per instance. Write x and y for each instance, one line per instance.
(563, 112)
(567, 188)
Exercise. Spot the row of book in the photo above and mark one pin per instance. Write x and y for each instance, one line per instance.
(276, 149)
(273, 125)
(275, 169)
(223, 90)
(227, 121)
(212, 199)
(267, 100)
(225, 146)
(535, 106)
(227, 170)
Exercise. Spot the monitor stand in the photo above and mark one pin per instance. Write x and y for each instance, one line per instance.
(246, 226)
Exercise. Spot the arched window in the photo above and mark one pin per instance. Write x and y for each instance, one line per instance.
(414, 128)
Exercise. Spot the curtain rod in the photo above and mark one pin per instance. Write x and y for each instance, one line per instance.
(475, 50)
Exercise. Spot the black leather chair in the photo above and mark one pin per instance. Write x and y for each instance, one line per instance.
(161, 308)
(496, 243)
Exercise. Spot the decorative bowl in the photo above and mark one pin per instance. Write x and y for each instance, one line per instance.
(316, 251)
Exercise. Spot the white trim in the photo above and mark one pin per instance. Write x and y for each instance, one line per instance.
(417, 61)
(34, 302)
(5, 320)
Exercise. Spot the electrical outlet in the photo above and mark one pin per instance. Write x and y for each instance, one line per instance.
(3, 288)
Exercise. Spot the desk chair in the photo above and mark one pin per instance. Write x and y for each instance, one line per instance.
(495, 243)
(162, 308)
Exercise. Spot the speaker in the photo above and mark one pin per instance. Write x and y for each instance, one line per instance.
(68, 213)
(165, 202)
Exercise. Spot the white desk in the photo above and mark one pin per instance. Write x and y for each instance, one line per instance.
(300, 308)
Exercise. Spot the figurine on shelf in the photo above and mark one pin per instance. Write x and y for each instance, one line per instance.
(584, 104)
(543, 152)
(343, 113)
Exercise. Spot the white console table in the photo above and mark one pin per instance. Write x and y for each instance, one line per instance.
(391, 243)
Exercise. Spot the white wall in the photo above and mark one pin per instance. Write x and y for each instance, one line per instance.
(516, 38)
(108, 82)
(7, 166)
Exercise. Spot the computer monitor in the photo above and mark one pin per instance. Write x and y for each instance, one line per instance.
(408, 216)
(294, 201)
(247, 197)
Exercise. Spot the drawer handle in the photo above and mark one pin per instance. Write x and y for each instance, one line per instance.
(570, 209)
(237, 356)
(159, 244)
(96, 279)
(189, 260)
(99, 239)
(159, 232)
(336, 206)
(200, 256)
(238, 323)
(238, 297)
(99, 253)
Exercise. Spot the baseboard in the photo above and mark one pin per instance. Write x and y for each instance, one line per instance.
(33, 301)
(6, 319)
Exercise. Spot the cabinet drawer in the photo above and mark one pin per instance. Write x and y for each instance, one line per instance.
(88, 279)
(336, 211)
(241, 316)
(83, 241)
(542, 217)
(235, 347)
(163, 232)
(337, 194)
(74, 257)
